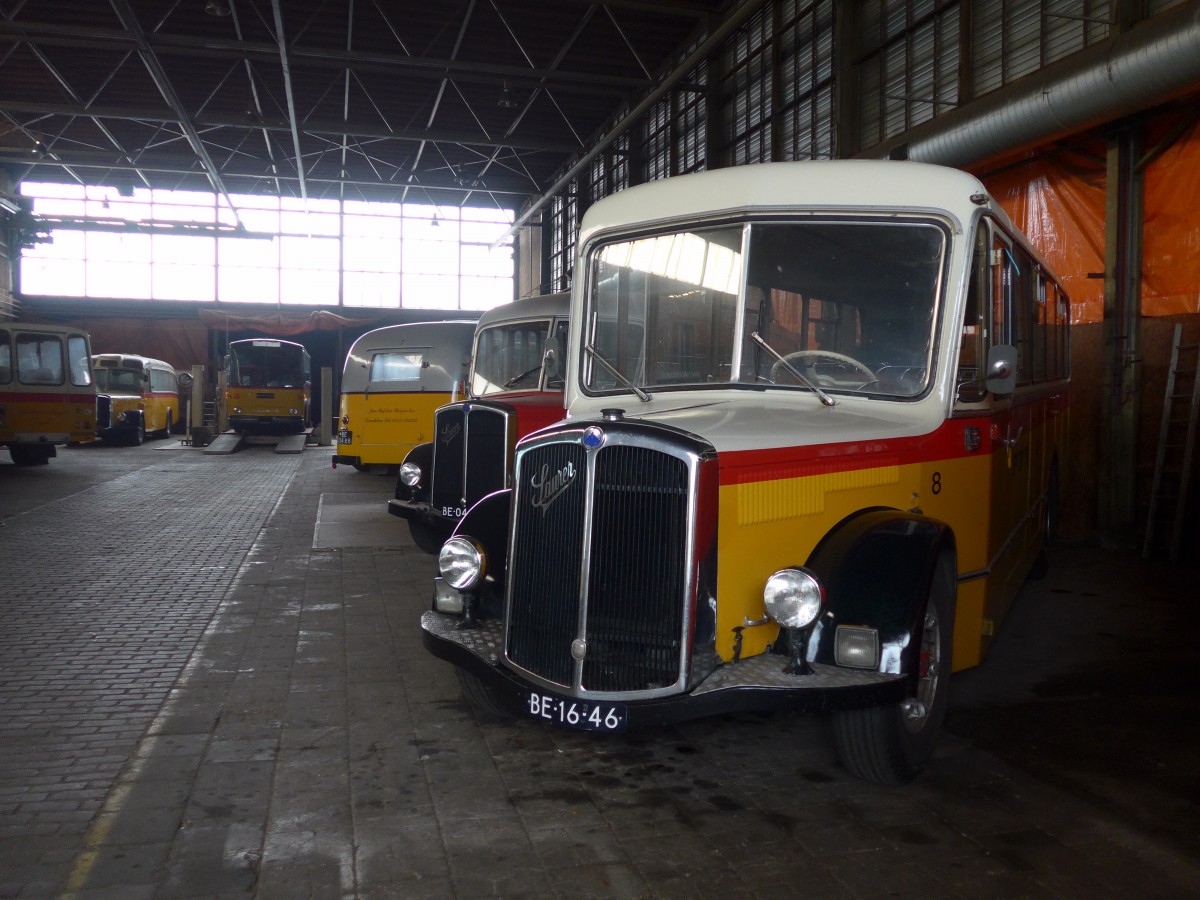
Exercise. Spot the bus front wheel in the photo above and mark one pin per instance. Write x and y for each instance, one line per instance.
(425, 537)
(890, 744)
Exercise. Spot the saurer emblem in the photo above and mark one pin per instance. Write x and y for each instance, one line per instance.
(548, 486)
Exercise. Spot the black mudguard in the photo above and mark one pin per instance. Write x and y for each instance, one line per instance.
(422, 455)
(877, 567)
(488, 523)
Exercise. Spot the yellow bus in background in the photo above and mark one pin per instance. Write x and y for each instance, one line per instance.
(46, 393)
(268, 386)
(394, 379)
(135, 396)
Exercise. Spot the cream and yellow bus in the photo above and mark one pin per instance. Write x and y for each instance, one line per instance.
(135, 396)
(393, 380)
(47, 397)
(817, 413)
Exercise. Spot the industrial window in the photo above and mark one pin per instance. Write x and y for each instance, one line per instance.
(909, 69)
(184, 245)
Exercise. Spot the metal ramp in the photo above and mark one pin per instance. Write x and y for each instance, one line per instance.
(292, 443)
(1176, 445)
(226, 443)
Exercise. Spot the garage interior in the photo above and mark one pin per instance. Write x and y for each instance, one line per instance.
(1081, 118)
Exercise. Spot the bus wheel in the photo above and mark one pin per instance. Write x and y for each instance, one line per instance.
(890, 744)
(481, 697)
(170, 426)
(139, 433)
(425, 537)
(28, 456)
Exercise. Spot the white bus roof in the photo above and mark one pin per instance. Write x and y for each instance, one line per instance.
(129, 361)
(847, 185)
(541, 307)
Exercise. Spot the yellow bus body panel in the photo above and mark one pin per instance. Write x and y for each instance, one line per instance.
(768, 525)
(386, 425)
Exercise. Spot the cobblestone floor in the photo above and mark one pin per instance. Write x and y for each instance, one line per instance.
(195, 702)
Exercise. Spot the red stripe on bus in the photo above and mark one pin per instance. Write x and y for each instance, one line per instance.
(44, 397)
(946, 442)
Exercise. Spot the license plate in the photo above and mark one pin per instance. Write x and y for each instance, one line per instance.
(588, 715)
(345, 437)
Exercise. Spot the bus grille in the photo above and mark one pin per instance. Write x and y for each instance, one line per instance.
(103, 411)
(479, 436)
(636, 587)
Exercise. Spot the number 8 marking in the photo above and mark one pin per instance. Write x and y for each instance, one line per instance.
(936, 487)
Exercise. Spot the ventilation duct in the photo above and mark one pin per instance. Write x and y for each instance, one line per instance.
(1154, 62)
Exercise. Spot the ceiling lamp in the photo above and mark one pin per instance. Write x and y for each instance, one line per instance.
(216, 8)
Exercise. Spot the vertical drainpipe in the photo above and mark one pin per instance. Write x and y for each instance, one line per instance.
(1117, 513)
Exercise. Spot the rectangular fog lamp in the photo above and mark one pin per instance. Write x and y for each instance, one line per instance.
(856, 648)
(446, 599)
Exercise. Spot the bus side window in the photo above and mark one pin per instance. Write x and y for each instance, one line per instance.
(971, 388)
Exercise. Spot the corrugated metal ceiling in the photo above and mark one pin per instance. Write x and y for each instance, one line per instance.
(477, 101)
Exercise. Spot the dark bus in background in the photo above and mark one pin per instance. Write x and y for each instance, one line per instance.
(515, 388)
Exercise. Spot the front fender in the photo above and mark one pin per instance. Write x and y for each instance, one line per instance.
(877, 568)
(421, 455)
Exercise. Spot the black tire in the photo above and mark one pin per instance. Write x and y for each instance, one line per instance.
(170, 427)
(891, 744)
(428, 539)
(138, 437)
(28, 456)
(482, 698)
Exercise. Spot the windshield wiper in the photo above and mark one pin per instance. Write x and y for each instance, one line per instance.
(825, 398)
(595, 354)
(513, 381)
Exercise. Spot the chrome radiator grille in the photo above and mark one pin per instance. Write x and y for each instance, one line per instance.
(476, 434)
(633, 614)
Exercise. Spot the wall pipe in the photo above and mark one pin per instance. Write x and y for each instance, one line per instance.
(1152, 63)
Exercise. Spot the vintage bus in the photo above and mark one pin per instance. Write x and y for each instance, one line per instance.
(135, 396)
(817, 413)
(46, 393)
(268, 386)
(393, 380)
(515, 387)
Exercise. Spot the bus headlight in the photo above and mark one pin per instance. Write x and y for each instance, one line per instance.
(410, 474)
(293, 412)
(462, 562)
(793, 597)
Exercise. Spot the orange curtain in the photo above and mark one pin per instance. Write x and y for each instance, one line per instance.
(1171, 237)
(1058, 202)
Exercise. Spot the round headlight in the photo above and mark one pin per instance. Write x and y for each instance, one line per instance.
(793, 597)
(410, 474)
(462, 563)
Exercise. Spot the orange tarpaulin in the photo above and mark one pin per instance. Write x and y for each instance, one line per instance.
(1059, 203)
(1171, 238)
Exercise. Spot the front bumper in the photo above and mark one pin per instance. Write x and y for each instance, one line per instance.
(758, 683)
(422, 513)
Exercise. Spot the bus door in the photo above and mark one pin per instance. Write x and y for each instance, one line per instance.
(1010, 431)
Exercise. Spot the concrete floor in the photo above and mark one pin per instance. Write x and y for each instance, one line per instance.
(212, 685)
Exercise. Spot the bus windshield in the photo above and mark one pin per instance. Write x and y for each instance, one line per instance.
(266, 364)
(111, 379)
(509, 357)
(836, 304)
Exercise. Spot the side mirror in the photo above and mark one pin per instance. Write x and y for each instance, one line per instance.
(550, 356)
(1002, 369)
